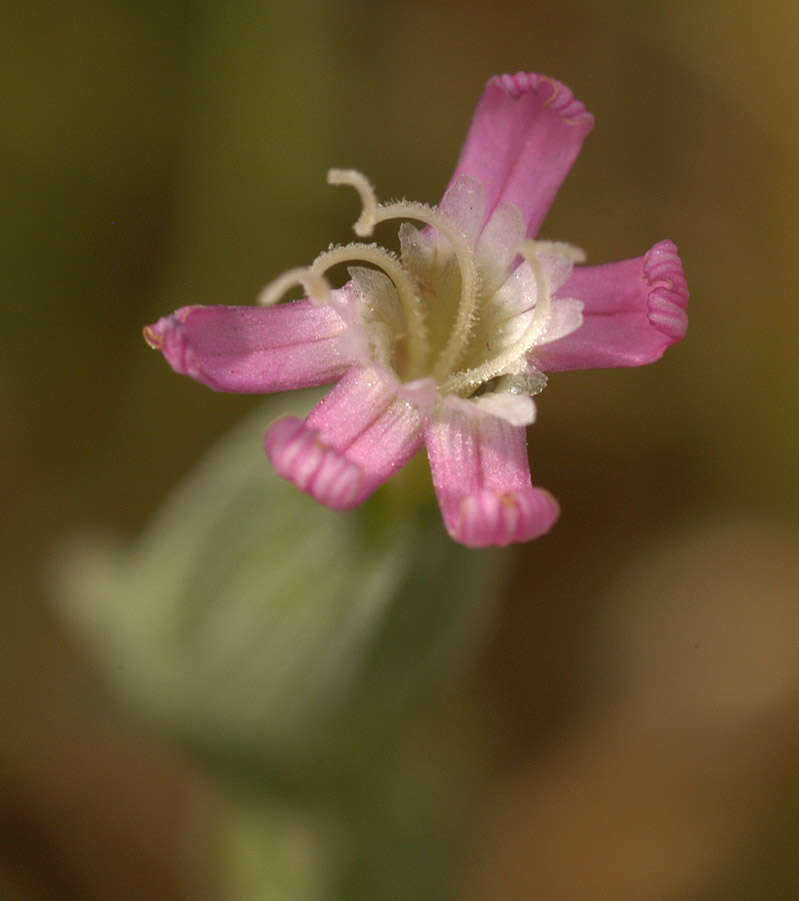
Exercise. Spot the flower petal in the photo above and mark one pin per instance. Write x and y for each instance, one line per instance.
(517, 409)
(498, 246)
(257, 350)
(525, 135)
(508, 312)
(352, 441)
(565, 318)
(482, 478)
(632, 311)
(464, 205)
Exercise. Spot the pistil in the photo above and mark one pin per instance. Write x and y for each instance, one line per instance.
(373, 212)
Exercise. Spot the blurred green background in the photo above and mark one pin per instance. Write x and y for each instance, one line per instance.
(630, 728)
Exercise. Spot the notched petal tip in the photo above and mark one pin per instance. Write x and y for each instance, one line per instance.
(491, 519)
(668, 294)
(633, 311)
(168, 335)
(300, 456)
(525, 134)
(554, 93)
(481, 475)
(352, 441)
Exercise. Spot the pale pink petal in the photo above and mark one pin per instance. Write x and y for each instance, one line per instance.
(257, 350)
(632, 311)
(498, 246)
(525, 135)
(482, 478)
(464, 204)
(517, 409)
(352, 441)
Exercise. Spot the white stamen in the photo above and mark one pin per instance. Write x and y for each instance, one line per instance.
(314, 285)
(368, 218)
(468, 271)
(319, 290)
(373, 212)
(504, 362)
(406, 290)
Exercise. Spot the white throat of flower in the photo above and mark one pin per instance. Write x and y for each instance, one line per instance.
(508, 361)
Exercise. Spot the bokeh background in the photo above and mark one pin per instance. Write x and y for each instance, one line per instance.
(629, 728)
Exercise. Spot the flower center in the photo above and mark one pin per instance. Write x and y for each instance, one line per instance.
(435, 283)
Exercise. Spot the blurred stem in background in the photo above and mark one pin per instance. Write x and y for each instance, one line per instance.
(293, 648)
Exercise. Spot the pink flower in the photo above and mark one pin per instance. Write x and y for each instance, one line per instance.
(445, 345)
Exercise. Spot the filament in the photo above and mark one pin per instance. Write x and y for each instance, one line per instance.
(315, 286)
(374, 212)
(366, 221)
(499, 364)
(414, 316)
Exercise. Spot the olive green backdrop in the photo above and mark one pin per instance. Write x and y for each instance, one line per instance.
(634, 716)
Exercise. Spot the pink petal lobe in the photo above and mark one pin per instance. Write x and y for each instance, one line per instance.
(525, 135)
(632, 311)
(257, 350)
(482, 478)
(352, 441)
